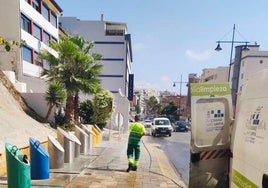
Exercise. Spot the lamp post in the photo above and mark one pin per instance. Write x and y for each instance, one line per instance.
(218, 48)
(174, 85)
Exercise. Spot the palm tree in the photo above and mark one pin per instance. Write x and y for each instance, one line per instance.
(86, 78)
(75, 69)
(90, 73)
(55, 96)
(61, 66)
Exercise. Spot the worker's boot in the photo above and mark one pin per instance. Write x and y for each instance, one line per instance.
(134, 168)
(130, 167)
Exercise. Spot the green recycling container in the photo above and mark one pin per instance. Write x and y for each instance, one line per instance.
(18, 168)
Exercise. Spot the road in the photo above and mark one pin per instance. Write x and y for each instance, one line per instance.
(177, 149)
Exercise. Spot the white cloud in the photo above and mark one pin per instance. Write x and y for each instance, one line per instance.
(201, 56)
(147, 85)
(163, 84)
(165, 78)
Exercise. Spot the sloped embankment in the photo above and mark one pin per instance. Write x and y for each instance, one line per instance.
(15, 125)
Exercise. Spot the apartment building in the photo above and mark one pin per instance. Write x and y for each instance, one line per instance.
(180, 102)
(219, 74)
(112, 41)
(35, 22)
(245, 64)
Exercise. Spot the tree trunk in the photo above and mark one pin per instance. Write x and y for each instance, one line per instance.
(48, 113)
(76, 106)
(69, 108)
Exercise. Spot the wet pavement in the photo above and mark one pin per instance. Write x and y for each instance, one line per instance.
(105, 167)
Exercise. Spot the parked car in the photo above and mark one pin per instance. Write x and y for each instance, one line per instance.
(180, 126)
(161, 126)
(147, 123)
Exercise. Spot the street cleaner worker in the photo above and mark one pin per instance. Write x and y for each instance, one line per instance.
(137, 130)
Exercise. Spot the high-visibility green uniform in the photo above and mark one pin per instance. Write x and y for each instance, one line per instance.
(137, 130)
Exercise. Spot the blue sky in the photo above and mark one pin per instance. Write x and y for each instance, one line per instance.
(177, 37)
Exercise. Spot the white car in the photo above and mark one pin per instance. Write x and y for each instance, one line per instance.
(161, 126)
(147, 123)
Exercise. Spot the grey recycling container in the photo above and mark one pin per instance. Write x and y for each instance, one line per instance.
(18, 168)
(70, 144)
(39, 160)
(56, 153)
(77, 144)
(90, 135)
(84, 139)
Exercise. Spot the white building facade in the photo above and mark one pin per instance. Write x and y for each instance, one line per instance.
(35, 22)
(112, 41)
(245, 64)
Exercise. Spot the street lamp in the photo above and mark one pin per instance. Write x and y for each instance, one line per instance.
(218, 48)
(174, 85)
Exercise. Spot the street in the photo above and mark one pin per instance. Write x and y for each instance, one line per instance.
(177, 149)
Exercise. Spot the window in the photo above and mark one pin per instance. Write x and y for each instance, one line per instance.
(242, 76)
(53, 19)
(27, 54)
(28, 1)
(25, 23)
(115, 32)
(46, 37)
(36, 60)
(45, 11)
(37, 32)
(36, 5)
(46, 65)
(54, 39)
(162, 122)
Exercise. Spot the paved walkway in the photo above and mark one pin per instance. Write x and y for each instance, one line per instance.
(105, 167)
